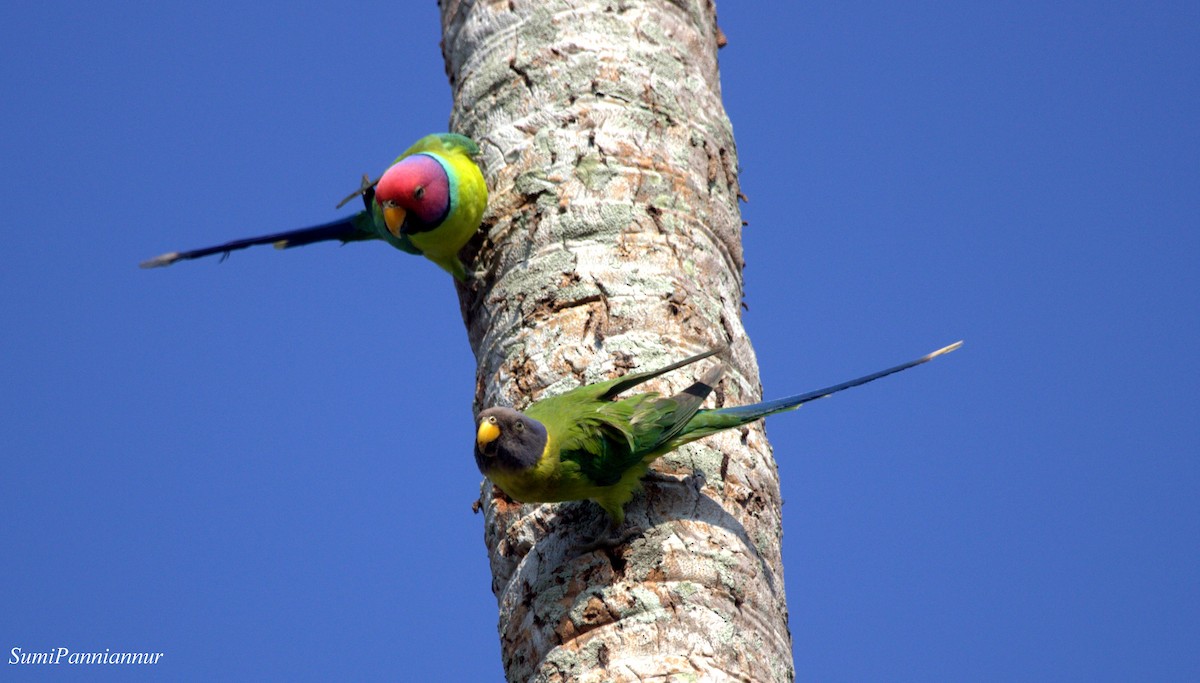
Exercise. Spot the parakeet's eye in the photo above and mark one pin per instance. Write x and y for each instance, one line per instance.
(520, 426)
(492, 419)
(419, 192)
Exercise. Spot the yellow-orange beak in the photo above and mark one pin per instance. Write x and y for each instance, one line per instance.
(487, 433)
(393, 216)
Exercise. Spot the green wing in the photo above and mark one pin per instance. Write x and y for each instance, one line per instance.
(605, 438)
(581, 397)
(602, 448)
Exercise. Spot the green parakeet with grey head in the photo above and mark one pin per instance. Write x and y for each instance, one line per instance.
(588, 444)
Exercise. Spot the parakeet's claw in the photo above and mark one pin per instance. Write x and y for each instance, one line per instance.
(366, 185)
(610, 540)
(368, 194)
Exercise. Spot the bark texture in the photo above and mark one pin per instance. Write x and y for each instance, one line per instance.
(613, 241)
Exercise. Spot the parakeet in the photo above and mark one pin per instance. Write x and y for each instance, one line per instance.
(588, 444)
(429, 202)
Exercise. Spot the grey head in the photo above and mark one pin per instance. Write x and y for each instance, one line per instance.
(507, 440)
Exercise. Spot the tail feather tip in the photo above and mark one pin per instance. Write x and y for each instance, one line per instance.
(160, 261)
(944, 350)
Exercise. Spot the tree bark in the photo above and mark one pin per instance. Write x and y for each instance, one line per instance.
(613, 241)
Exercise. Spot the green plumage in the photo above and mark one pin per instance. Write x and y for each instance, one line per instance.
(589, 444)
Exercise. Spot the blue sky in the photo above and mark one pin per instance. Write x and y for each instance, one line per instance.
(262, 468)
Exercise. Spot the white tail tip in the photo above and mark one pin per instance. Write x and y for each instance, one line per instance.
(160, 261)
(944, 350)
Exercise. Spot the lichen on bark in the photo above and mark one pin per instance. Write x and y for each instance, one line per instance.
(613, 241)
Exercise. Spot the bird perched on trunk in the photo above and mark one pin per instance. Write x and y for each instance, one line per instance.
(588, 444)
(429, 202)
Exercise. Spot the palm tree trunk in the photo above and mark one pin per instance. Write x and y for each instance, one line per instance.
(613, 242)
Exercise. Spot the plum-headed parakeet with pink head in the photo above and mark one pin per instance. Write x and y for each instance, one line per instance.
(429, 202)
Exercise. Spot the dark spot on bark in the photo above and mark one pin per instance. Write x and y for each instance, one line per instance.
(480, 390)
(524, 373)
(520, 71)
(548, 307)
(594, 614)
(755, 504)
(729, 332)
(623, 361)
(679, 307)
(615, 560)
(598, 318)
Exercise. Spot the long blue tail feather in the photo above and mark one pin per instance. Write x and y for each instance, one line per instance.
(347, 230)
(707, 422)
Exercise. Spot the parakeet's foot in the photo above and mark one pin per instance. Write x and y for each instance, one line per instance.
(612, 538)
